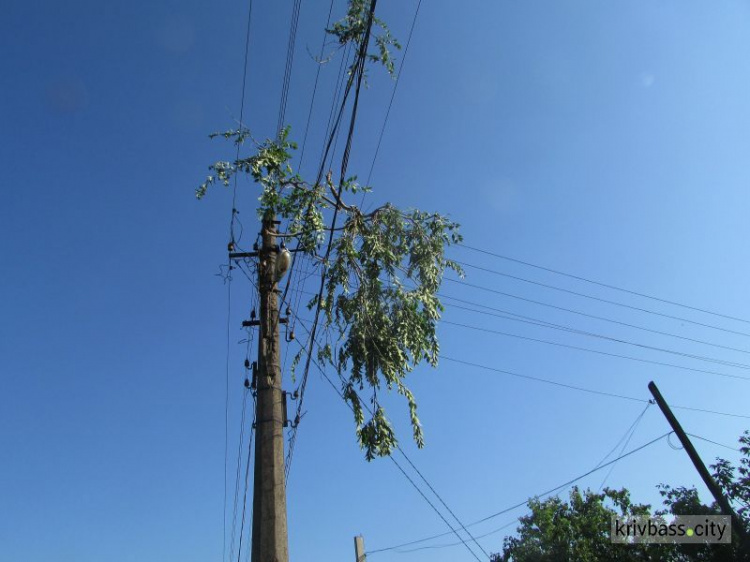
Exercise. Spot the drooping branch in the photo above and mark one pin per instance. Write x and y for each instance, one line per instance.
(383, 268)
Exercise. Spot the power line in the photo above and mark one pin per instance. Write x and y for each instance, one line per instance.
(599, 299)
(315, 86)
(414, 485)
(586, 315)
(356, 73)
(545, 381)
(403, 453)
(438, 546)
(238, 470)
(525, 502)
(226, 405)
(545, 324)
(247, 474)
(242, 115)
(608, 286)
(393, 93)
(714, 442)
(441, 500)
(588, 350)
(583, 389)
(289, 63)
(229, 278)
(627, 437)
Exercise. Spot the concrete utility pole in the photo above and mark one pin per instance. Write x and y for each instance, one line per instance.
(721, 500)
(270, 542)
(359, 549)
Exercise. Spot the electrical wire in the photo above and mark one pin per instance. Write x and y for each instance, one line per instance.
(226, 405)
(599, 299)
(551, 325)
(546, 324)
(242, 116)
(393, 95)
(588, 350)
(315, 86)
(545, 381)
(247, 478)
(606, 285)
(627, 437)
(525, 502)
(358, 73)
(589, 390)
(403, 453)
(229, 274)
(714, 442)
(238, 471)
(579, 313)
(289, 64)
(400, 468)
(248, 344)
(439, 546)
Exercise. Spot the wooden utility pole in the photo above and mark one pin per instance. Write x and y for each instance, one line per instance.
(721, 500)
(269, 542)
(359, 549)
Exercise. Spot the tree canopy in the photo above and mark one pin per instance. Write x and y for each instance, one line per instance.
(578, 530)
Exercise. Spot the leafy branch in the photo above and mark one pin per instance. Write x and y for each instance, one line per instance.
(382, 270)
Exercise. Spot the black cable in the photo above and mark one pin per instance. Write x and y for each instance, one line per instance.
(525, 502)
(546, 381)
(630, 433)
(421, 493)
(714, 442)
(599, 299)
(226, 404)
(289, 64)
(438, 546)
(602, 318)
(582, 389)
(238, 471)
(393, 95)
(247, 478)
(552, 325)
(445, 505)
(315, 86)
(403, 453)
(248, 344)
(627, 432)
(326, 148)
(358, 72)
(229, 288)
(545, 324)
(339, 84)
(512, 522)
(242, 115)
(588, 350)
(614, 287)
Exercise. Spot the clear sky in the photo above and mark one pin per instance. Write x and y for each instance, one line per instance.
(608, 140)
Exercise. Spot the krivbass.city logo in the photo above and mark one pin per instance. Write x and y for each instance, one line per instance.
(681, 529)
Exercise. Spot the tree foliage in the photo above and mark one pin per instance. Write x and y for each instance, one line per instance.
(382, 270)
(574, 531)
(578, 529)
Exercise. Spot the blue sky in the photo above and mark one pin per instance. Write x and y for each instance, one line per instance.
(607, 140)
